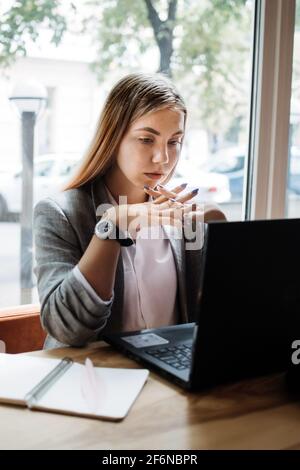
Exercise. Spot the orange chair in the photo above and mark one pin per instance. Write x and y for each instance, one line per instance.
(20, 328)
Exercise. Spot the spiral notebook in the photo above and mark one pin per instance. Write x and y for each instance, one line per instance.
(83, 390)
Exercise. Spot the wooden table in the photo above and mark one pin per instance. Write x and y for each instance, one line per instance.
(256, 414)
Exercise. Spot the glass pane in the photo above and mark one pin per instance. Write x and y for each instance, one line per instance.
(215, 145)
(207, 52)
(293, 180)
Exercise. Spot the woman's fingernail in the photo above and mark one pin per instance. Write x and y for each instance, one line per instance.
(195, 191)
(172, 199)
(146, 186)
(183, 185)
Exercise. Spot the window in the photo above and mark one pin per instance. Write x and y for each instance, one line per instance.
(214, 71)
(216, 142)
(293, 178)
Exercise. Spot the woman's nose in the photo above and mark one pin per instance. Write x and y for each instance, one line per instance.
(161, 155)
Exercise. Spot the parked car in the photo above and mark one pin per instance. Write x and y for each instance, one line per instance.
(231, 162)
(213, 187)
(51, 171)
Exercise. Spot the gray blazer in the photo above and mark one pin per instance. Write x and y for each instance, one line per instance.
(63, 228)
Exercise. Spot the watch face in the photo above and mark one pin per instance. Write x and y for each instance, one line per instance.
(104, 228)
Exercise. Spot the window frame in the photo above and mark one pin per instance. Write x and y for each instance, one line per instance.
(268, 151)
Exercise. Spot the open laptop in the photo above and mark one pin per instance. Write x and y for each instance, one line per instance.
(249, 312)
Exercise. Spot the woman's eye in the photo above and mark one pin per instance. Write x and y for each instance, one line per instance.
(146, 140)
(175, 142)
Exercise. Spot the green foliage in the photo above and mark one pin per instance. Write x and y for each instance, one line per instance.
(210, 39)
(120, 32)
(215, 49)
(212, 43)
(22, 21)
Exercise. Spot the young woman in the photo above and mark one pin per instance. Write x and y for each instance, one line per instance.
(97, 268)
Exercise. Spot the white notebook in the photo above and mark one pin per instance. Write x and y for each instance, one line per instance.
(112, 393)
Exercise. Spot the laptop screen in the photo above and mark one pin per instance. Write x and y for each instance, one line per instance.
(249, 311)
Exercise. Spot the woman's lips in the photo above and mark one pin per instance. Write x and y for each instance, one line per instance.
(154, 176)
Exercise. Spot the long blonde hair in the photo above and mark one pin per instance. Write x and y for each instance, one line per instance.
(132, 97)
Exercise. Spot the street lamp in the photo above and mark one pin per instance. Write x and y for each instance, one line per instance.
(29, 98)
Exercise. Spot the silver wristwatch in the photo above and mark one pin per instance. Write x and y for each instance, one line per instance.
(107, 230)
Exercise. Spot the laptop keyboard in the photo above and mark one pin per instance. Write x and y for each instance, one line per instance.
(175, 356)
